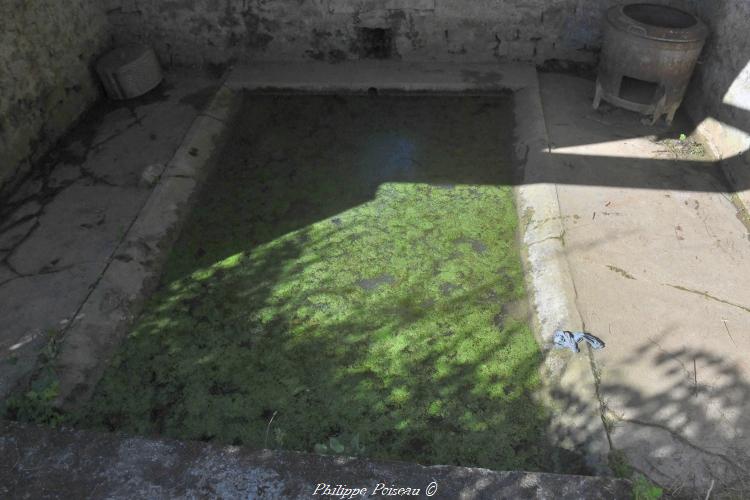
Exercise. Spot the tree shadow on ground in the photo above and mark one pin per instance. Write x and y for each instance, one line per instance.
(692, 427)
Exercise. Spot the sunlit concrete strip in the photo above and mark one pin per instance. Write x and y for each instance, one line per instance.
(644, 148)
(134, 268)
(738, 93)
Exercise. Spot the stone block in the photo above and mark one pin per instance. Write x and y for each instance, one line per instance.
(410, 5)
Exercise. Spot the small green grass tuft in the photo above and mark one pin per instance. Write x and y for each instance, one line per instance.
(643, 489)
(685, 147)
(37, 403)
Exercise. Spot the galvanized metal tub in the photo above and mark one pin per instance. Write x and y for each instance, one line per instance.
(648, 55)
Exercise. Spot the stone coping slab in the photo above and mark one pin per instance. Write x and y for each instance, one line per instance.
(133, 271)
(38, 462)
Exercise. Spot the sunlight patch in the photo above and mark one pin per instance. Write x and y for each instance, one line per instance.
(644, 148)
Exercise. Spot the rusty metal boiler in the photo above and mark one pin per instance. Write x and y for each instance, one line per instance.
(648, 55)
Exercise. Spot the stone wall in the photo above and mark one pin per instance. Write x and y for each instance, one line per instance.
(718, 98)
(719, 95)
(46, 48)
(218, 31)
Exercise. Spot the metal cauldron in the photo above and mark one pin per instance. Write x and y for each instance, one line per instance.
(648, 55)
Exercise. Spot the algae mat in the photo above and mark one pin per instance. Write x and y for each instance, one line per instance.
(349, 282)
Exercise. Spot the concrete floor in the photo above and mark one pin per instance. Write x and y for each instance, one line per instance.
(61, 227)
(661, 265)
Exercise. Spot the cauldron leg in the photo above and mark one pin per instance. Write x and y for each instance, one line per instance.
(597, 95)
(670, 114)
(661, 107)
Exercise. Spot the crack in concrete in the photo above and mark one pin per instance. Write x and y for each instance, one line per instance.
(728, 332)
(137, 121)
(621, 272)
(687, 442)
(708, 296)
(116, 252)
(42, 272)
(44, 195)
(18, 222)
(215, 118)
(666, 353)
(12, 249)
(96, 180)
(560, 237)
(603, 407)
(562, 218)
(595, 371)
(3, 283)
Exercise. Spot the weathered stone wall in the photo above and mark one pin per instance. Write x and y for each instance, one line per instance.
(217, 31)
(46, 47)
(718, 98)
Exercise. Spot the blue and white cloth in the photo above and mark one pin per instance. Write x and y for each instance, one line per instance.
(569, 340)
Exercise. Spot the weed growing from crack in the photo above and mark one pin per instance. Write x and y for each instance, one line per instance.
(35, 402)
(643, 489)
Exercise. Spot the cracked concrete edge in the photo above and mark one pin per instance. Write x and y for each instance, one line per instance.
(570, 382)
(133, 269)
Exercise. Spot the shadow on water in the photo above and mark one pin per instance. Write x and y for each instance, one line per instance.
(349, 282)
(307, 158)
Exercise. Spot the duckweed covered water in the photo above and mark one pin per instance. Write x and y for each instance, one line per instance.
(349, 282)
